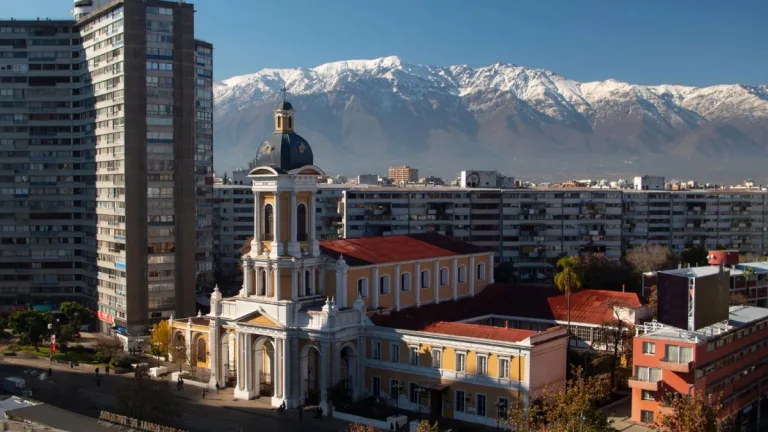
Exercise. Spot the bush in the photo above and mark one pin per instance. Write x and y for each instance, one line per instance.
(100, 357)
(122, 363)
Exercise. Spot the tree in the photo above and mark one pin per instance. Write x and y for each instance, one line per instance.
(148, 399)
(424, 426)
(695, 413)
(357, 427)
(694, 255)
(180, 353)
(76, 313)
(191, 358)
(647, 258)
(567, 280)
(602, 272)
(31, 326)
(615, 338)
(653, 299)
(161, 337)
(573, 407)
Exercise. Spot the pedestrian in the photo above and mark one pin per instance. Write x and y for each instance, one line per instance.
(217, 388)
(97, 371)
(181, 382)
(203, 393)
(106, 370)
(301, 412)
(178, 384)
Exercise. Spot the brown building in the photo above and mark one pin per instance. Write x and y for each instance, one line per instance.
(403, 174)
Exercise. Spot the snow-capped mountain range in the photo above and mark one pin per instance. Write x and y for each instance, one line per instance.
(375, 113)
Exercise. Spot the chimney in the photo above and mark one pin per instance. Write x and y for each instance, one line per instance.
(506, 324)
(623, 287)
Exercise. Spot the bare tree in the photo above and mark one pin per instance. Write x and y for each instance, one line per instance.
(191, 358)
(146, 399)
(614, 343)
(646, 258)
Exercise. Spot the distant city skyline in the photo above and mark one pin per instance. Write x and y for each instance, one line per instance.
(688, 42)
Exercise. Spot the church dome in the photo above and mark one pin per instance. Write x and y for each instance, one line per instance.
(284, 106)
(284, 152)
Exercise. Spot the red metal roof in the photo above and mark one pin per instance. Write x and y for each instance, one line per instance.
(479, 331)
(379, 250)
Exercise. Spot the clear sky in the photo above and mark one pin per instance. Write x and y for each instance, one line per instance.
(693, 42)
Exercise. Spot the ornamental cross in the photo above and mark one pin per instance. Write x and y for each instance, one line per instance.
(284, 90)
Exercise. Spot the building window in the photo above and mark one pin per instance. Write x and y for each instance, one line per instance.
(482, 364)
(394, 389)
(301, 222)
(394, 350)
(405, 281)
(444, 276)
(437, 358)
(503, 368)
(460, 401)
(279, 122)
(269, 222)
(290, 122)
(413, 393)
(678, 354)
(376, 386)
(583, 333)
(413, 355)
(462, 273)
(461, 362)
(376, 350)
(646, 416)
(480, 405)
(649, 348)
(362, 287)
(503, 407)
(425, 278)
(481, 271)
(648, 395)
(644, 373)
(384, 285)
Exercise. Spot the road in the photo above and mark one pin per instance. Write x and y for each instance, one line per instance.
(76, 390)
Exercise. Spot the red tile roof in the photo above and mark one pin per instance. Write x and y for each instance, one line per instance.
(535, 302)
(479, 331)
(379, 250)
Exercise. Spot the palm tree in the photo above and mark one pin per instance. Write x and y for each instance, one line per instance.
(567, 280)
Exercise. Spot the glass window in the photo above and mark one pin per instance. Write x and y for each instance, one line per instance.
(480, 405)
(405, 282)
(649, 348)
(460, 362)
(503, 408)
(482, 365)
(444, 276)
(394, 389)
(481, 271)
(425, 278)
(413, 355)
(459, 399)
(503, 368)
(384, 285)
(437, 358)
(362, 287)
(462, 273)
(648, 395)
(413, 393)
(394, 352)
(646, 416)
(376, 350)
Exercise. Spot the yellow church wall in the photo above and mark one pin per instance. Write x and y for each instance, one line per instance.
(330, 283)
(407, 298)
(285, 218)
(387, 301)
(462, 288)
(446, 291)
(427, 295)
(517, 368)
(353, 275)
(285, 283)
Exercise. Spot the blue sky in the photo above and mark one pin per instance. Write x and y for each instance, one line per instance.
(693, 42)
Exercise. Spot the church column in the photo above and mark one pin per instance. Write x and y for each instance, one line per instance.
(397, 287)
(277, 370)
(490, 268)
(214, 357)
(240, 362)
(417, 288)
(248, 348)
(295, 373)
(258, 289)
(375, 288)
(293, 245)
(472, 275)
(313, 225)
(247, 270)
(285, 371)
(277, 246)
(256, 245)
(322, 280)
(454, 278)
(436, 280)
(294, 284)
(313, 281)
(276, 273)
(324, 377)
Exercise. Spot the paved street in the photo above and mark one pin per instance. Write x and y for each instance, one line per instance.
(76, 390)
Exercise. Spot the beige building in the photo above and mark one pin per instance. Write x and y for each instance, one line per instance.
(403, 174)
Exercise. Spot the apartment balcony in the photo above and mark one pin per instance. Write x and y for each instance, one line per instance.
(634, 382)
(665, 409)
(665, 364)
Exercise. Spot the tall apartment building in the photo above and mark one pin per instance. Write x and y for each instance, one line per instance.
(105, 139)
(204, 164)
(403, 174)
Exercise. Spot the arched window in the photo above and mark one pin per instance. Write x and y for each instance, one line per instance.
(425, 278)
(269, 222)
(301, 222)
(290, 122)
(279, 122)
(362, 287)
(444, 276)
(462, 273)
(481, 271)
(201, 350)
(262, 283)
(307, 285)
(384, 285)
(405, 282)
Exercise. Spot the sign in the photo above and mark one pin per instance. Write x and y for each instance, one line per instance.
(107, 318)
(133, 423)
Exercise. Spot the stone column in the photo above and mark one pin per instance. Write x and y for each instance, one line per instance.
(277, 246)
(248, 365)
(417, 288)
(313, 281)
(324, 377)
(455, 278)
(490, 269)
(277, 372)
(286, 371)
(397, 287)
(341, 287)
(256, 245)
(294, 373)
(257, 282)
(293, 244)
(436, 280)
(294, 284)
(240, 362)
(277, 282)
(322, 280)
(313, 225)
(472, 275)
(247, 280)
(375, 288)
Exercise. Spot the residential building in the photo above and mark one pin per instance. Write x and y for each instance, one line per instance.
(368, 179)
(728, 360)
(113, 131)
(307, 318)
(647, 182)
(403, 174)
(485, 179)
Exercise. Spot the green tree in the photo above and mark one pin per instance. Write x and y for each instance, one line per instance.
(568, 280)
(694, 255)
(602, 272)
(30, 326)
(76, 313)
(695, 413)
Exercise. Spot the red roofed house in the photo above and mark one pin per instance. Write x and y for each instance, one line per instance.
(314, 315)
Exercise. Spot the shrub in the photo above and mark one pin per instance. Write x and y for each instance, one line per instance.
(100, 357)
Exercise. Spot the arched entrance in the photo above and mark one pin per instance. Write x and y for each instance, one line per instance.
(348, 370)
(179, 344)
(310, 374)
(226, 366)
(264, 366)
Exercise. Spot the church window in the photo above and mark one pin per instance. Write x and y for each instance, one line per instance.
(301, 222)
(425, 278)
(279, 122)
(384, 285)
(405, 282)
(290, 122)
(362, 287)
(269, 222)
(307, 283)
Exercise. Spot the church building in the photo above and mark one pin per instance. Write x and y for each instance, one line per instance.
(304, 324)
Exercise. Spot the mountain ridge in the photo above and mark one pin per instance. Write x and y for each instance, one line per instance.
(402, 112)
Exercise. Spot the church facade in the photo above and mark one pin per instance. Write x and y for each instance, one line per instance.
(304, 325)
